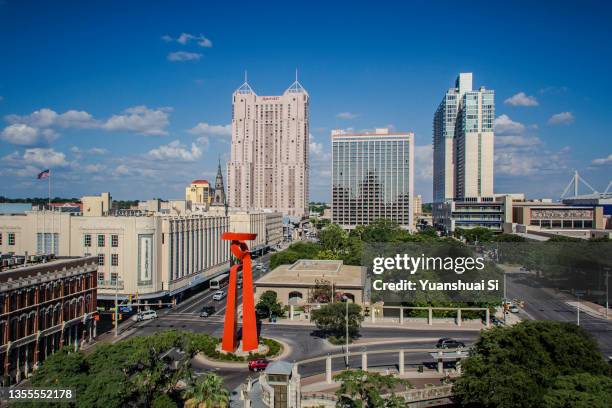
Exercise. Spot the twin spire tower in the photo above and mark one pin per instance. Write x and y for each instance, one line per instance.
(268, 168)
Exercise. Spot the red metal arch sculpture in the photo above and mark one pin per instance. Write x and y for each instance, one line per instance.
(250, 340)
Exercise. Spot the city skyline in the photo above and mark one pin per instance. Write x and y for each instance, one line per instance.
(147, 129)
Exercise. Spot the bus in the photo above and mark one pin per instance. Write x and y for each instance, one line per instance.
(220, 281)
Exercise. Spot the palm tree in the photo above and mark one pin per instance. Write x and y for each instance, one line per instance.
(207, 391)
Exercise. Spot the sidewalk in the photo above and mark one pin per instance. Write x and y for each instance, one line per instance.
(590, 308)
(390, 324)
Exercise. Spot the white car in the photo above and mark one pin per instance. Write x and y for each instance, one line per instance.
(146, 315)
(514, 309)
(219, 295)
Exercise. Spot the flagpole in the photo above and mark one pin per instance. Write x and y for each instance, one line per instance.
(52, 247)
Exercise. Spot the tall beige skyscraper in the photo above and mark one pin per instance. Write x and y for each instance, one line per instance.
(268, 168)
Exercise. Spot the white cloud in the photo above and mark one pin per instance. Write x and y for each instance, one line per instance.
(94, 168)
(180, 56)
(137, 119)
(563, 118)
(46, 117)
(98, 151)
(204, 129)
(186, 38)
(45, 157)
(121, 170)
(603, 161)
(315, 149)
(522, 156)
(423, 162)
(522, 99)
(505, 125)
(346, 115)
(140, 119)
(176, 150)
(20, 134)
(517, 141)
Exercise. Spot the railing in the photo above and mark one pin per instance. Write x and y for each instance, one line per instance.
(429, 393)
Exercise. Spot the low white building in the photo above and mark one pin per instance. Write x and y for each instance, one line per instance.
(152, 255)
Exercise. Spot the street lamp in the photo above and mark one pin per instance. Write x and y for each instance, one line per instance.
(578, 309)
(345, 299)
(607, 275)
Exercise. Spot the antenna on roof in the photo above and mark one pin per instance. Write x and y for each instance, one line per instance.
(296, 75)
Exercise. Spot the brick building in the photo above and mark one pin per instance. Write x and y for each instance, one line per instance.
(44, 307)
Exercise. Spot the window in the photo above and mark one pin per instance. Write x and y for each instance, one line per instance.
(114, 259)
(11, 238)
(115, 241)
(113, 278)
(100, 276)
(100, 241)
(87, 240)
(0, 238)
(101, 259)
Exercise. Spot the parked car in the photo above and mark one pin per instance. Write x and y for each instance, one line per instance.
(513, 309)
(258, 364)
(207, 311)
(447, 342)
(219, 295)
(146, 315)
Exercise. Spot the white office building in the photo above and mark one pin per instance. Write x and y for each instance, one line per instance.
(372, 178)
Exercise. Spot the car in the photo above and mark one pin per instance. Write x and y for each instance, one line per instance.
(146, 315)
(207, 311)
(447, 342)
(219, 295)
(513, 309)
(258, 364)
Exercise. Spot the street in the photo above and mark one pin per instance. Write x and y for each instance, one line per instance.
(541, 304)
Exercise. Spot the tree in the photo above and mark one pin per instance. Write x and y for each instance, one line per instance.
(207, 391)
(333, 237)
(516, 367)
(128, 373)
(331, 318)
(268, 304)
(580, 391)
(364, 389)
(478, 234)
(295, 252)
(321, 292)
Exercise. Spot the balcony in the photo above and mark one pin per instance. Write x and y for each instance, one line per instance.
(110, 284)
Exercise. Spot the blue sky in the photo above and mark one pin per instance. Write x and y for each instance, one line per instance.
(135, 97)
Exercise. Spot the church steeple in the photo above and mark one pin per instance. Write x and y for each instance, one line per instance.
(219, 188)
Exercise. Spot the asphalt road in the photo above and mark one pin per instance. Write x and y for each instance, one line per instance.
(304, 341)
(541, 305)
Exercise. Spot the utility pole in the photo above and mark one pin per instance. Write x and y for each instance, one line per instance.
(346, 301)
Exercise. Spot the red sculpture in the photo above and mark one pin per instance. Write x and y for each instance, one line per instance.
(250, 340)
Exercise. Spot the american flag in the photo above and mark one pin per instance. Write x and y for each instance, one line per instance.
(44, 174)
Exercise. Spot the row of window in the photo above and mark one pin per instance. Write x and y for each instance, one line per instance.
(113, 277)
(11, 238)
(114, 259)
(101, 240)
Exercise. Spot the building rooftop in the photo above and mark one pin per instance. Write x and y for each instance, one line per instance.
(307, 272)
(200, 181)
(279, 368)
(33, 270)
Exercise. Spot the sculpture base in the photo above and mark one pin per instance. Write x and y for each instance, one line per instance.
(262, 349)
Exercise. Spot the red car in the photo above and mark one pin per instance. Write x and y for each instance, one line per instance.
(258, 364)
